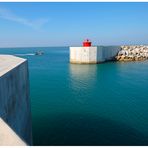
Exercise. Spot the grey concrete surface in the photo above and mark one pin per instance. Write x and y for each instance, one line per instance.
(15, 108)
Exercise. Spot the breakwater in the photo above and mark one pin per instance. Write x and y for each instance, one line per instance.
(99, 54)
(132, 53)
(15, 110)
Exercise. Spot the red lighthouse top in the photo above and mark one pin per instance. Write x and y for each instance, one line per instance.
(86, 43)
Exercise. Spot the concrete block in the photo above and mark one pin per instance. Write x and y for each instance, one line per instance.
(15, 107)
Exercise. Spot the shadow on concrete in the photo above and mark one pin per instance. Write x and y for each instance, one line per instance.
(78, 130)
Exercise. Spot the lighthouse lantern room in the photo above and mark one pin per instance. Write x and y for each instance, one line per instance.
(86, 43)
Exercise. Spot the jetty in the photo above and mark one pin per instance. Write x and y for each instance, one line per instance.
(15, 107)
(88, 54)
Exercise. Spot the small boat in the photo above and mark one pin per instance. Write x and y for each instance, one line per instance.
(39, 53)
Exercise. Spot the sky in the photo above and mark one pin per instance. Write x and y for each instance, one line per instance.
(30, 24)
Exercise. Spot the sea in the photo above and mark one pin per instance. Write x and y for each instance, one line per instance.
(97, 104)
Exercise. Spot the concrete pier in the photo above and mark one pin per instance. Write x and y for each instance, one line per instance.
(15, 109)
(93, 54)
(107, 53)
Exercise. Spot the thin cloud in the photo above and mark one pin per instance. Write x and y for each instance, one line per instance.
(11, 16)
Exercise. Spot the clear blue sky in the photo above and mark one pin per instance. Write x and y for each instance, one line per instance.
(61, 24)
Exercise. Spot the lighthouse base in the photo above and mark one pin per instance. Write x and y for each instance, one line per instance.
(83, 55)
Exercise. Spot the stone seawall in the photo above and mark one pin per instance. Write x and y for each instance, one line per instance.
(15, 109)
(132, 53)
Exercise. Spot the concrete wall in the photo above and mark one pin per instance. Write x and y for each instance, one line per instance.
(83, 54)
(106, 53)
(93, 54)
(15, 109)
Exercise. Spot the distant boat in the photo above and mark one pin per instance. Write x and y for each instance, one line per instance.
(39, 53)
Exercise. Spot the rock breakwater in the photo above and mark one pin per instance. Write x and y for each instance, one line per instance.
(132, 53)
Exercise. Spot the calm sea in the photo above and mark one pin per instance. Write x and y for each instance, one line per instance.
(104, 104)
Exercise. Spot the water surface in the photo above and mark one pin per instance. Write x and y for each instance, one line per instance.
(104, 104)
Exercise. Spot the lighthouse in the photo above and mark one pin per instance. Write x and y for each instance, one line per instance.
(89, 54)
(86, 54)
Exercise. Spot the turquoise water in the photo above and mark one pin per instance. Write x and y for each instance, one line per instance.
(104, 104)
